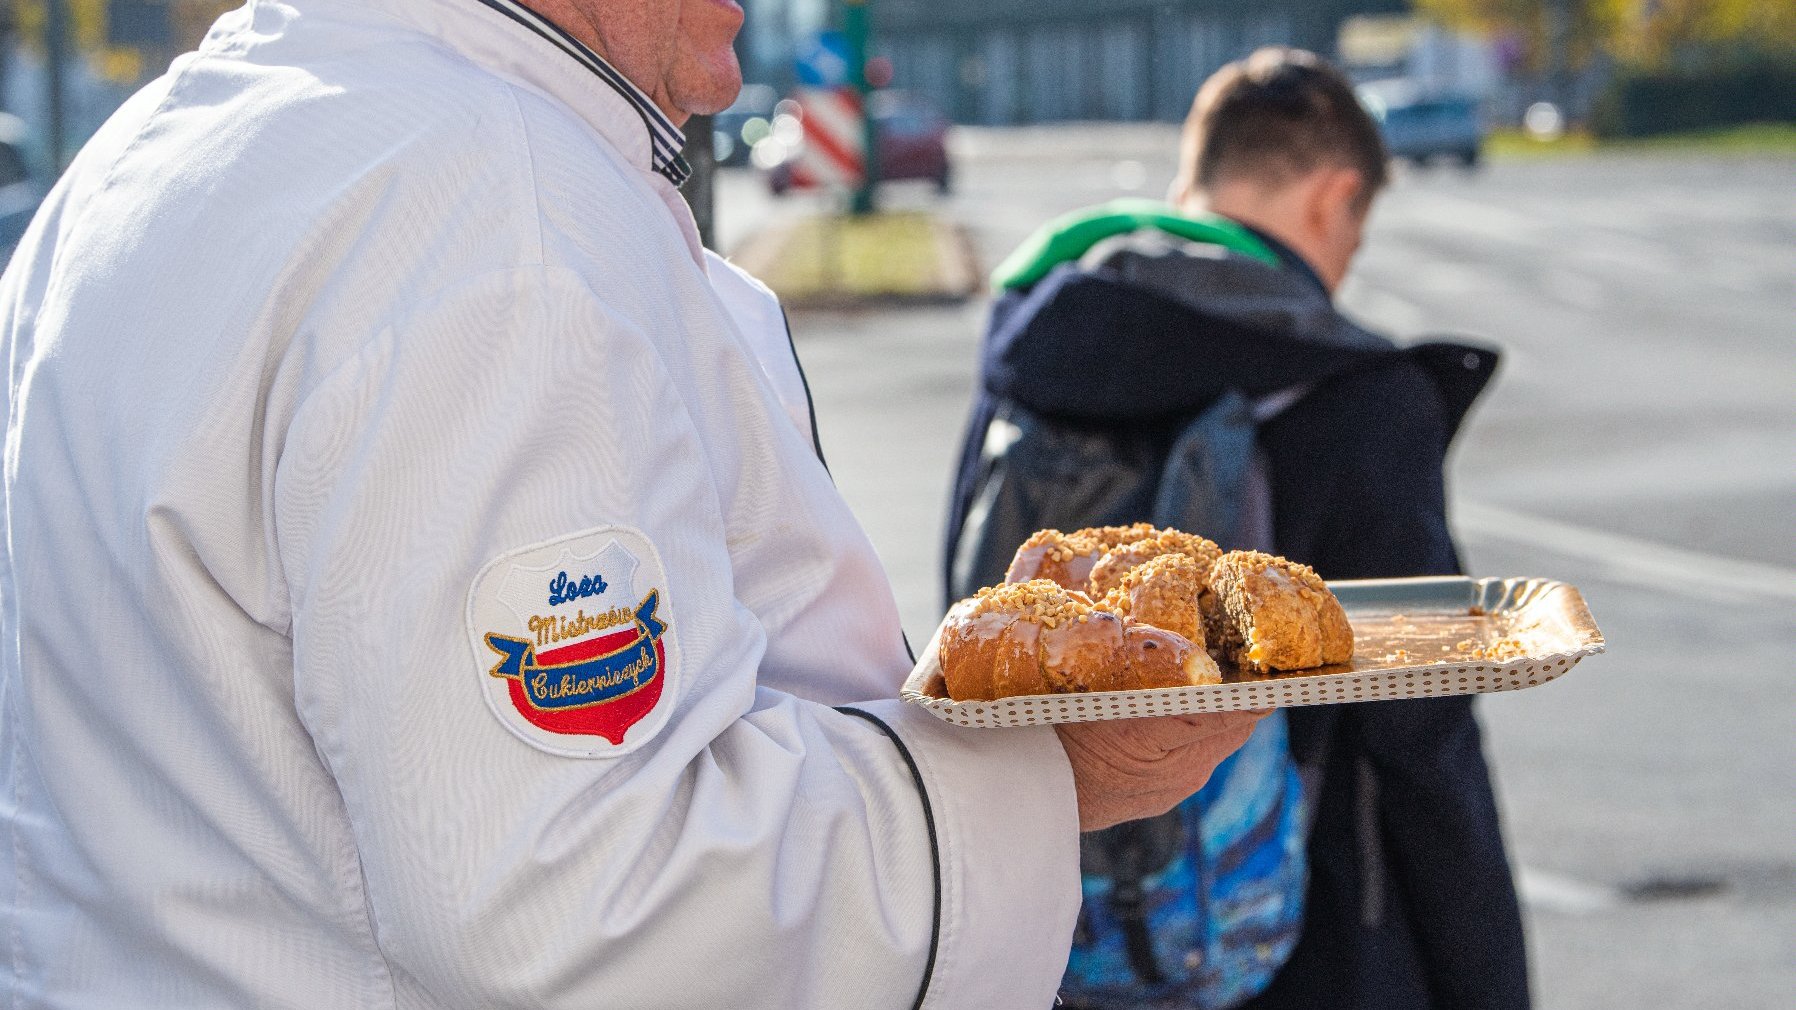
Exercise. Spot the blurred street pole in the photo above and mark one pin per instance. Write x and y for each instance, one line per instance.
(857, 27)
(56, 40)
(9, 24)
(1559, 56)
(701, 186)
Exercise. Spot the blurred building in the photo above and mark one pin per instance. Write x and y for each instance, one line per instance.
(771, 34)
(1033, 61)
(107, 49)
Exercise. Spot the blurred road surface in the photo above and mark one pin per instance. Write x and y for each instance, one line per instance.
(1640, 442)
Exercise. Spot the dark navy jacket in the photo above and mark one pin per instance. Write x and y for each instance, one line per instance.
(1087, 381)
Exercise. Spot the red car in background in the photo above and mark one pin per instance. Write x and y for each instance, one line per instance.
(913, 143)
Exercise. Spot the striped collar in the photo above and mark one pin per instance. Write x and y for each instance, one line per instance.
(665, 139)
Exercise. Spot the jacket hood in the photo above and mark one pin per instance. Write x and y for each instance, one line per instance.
(1069, 237)
(1137, 322)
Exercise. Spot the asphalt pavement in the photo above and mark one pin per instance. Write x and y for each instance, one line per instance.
(1638, 442)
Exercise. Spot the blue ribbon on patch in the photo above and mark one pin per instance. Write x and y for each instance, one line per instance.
(563, 686)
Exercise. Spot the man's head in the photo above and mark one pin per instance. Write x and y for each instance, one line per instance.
(1279, 141)
(679, 52)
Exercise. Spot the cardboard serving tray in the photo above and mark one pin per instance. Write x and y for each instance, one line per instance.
(1412, 638)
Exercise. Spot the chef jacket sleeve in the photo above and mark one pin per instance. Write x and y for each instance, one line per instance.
(749, 848)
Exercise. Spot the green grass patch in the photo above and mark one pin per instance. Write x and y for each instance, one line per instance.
(1752, 138)
(832, 258)
(1519, 144)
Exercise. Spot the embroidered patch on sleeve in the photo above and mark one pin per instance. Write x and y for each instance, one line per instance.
(573, 642)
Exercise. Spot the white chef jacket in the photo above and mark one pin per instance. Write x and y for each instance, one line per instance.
(420, 587)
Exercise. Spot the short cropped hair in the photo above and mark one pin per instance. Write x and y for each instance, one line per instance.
(1275, 116)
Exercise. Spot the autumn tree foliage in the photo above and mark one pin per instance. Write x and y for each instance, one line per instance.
(1669, 33)
(1645, 34)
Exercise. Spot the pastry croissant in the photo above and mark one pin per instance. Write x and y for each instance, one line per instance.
(1036, 637)
(1162, 598)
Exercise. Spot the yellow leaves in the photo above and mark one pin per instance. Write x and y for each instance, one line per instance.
(1646, 33)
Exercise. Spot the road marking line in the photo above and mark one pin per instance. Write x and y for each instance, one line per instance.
(1630, 559)
(1549, 892)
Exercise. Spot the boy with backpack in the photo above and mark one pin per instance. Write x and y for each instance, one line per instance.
(1184, 364)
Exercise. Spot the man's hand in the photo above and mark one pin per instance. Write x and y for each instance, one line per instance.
(1127, 769)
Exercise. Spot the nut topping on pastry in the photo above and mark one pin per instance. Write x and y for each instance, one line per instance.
(1120, 559)
(1067, 558)
(1162, 592)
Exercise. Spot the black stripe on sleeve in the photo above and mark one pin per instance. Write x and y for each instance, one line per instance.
(810, 402)
(935, 848)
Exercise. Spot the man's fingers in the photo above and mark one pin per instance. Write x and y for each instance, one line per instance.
(1178, 730)
(1214, 746)
(1134, 768)
(1224, 719)
(1197, 760)
(1158, 739)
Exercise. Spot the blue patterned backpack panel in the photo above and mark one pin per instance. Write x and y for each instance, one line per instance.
(1199, 907)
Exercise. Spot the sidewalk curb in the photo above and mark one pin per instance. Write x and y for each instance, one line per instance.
(955, 274)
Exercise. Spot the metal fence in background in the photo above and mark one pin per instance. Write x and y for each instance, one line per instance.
(1055, 63)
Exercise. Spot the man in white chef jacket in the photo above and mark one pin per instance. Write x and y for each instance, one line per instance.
(420, 589)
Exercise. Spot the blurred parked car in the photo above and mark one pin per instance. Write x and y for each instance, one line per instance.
(1420, 127)
(20, 188)
(913, 144)
(735, 130)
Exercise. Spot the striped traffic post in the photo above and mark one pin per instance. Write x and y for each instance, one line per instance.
(834, 151)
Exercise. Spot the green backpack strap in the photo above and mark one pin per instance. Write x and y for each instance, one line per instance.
(1070, 236)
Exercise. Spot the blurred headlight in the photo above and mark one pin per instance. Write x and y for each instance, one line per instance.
(769, 154)
(788, 130)
(756, 130)
(1544, 121)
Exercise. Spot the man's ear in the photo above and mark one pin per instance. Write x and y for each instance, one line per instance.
(1334, 218)
(1335, 198)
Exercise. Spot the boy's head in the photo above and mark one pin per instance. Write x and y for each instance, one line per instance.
(1279, 141)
